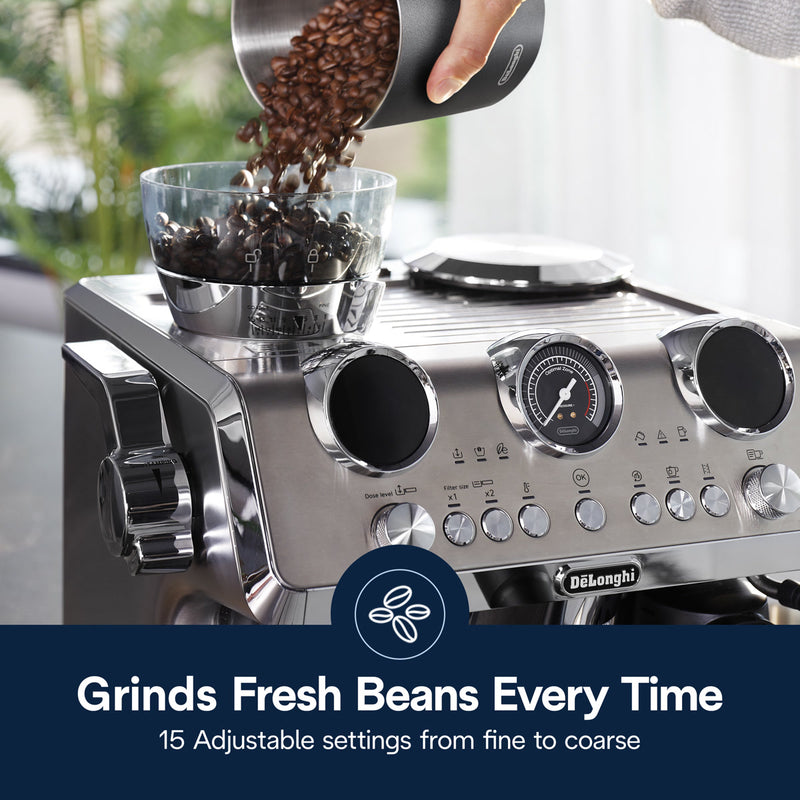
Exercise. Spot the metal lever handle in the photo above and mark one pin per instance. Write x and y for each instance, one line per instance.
(144, 498)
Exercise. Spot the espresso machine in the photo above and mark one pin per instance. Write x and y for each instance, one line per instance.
(577, 445)
(275, 400)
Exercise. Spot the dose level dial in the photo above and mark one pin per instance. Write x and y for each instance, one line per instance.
(570, 395)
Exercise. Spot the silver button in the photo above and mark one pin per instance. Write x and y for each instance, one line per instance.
(645, 508)
(534, 520)
(590, 514)
(459, 528)
(715, 500)
(681, 505)
(497, 524)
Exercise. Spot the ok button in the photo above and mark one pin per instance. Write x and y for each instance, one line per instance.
(590, 514)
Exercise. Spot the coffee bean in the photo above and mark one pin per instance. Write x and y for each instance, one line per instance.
(243, 178)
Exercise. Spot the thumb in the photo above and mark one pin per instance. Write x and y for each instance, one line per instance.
(478, 24)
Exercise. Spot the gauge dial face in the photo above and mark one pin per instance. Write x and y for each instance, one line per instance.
(567, 396)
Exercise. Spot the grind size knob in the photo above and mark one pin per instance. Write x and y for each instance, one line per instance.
(143, 494)
(772, 491)
(404, 523)
(146, 510)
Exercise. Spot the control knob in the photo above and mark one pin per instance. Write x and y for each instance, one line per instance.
(772, 491)
(145, 509)
(404, 523)
(143, 492)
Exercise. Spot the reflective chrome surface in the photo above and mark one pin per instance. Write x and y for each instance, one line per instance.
(772, 491)
(278, 517)
(254, 312)
(404, 523)
(684, 343)
(143, 494)
(320, 372)
(509, 357)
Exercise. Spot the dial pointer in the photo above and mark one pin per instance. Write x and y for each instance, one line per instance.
(563, 395)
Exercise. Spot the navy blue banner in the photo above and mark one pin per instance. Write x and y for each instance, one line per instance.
(400, 695)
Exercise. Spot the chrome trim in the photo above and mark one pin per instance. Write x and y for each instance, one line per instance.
(661, 567)
(319, 374)
(684, 343)
(271, 312)
(143, 494)
(510, 356)
(235, 566)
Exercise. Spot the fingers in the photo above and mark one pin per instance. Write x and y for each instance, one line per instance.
(474, 34)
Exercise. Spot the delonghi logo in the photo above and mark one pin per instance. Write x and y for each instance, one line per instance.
(516, 55)
(598, 579)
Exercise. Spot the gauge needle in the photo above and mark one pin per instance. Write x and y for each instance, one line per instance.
(563, 396)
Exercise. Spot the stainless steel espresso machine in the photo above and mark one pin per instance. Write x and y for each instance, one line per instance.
(276, 401)
(576, 445)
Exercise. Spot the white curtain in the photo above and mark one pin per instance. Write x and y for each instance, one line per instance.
(651, 137)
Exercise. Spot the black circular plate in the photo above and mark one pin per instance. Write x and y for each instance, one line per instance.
(517, 263)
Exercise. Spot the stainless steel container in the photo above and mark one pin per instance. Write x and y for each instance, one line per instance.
(262, 29)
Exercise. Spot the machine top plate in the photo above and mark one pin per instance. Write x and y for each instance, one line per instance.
(518, 263)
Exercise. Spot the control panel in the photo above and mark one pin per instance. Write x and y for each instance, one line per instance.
(550, 446)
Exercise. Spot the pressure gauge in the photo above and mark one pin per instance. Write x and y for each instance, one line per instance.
(561, 392)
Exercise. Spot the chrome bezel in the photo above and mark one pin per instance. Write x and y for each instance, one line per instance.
(319, 375)
(684, 343)
(510, 357)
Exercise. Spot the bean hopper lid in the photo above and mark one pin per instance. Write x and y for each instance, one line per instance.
(517, 263)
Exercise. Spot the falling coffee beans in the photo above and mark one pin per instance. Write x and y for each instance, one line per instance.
(333, 77)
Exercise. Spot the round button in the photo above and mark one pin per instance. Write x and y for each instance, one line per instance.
(715, 500)
(681, 505)
(459, 528)
(497, 524)
(534, 520)
(590, 514)
(404, 523)
(645, 508)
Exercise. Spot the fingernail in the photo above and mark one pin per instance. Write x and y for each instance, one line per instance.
(445, 89)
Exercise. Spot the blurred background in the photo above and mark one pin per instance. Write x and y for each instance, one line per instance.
(653, 138)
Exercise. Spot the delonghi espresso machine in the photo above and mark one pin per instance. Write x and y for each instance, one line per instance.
(575, 444)
(276, 400)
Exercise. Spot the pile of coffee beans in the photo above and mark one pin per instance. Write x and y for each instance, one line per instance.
(336, 73)
(268, 240)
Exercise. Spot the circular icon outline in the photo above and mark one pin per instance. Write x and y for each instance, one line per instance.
(382, 575)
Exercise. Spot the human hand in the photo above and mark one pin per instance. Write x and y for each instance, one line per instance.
(474, 34)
